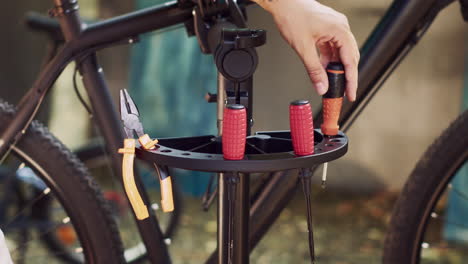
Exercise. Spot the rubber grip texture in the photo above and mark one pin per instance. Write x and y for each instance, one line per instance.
(331, 114)
(234, 132)
(302, 128)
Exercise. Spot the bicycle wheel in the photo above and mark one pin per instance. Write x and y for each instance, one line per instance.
(53, 194)
(419, 224)
(96, 160)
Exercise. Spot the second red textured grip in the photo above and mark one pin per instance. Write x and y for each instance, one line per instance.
(302, 128)
(234, 132)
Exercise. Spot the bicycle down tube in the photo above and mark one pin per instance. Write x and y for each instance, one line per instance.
(397, 31)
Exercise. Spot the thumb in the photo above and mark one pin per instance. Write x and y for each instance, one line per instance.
(316, 72)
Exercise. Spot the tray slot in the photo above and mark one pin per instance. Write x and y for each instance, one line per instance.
(271, 145)
(186, 143)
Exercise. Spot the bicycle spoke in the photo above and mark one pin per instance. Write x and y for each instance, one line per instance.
(77, 250)
(435, 246)
(22, 221)
(440, 218)
(458, 192)
(52, 227)
(24, 234)
(44, 193)
(426, 245)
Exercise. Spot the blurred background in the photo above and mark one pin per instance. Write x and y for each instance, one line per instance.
(416, 103)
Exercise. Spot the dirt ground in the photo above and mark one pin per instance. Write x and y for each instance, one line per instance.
(348, 228)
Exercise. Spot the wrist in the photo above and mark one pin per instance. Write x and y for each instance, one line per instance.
(272, 6)
(277, 7)
(266, 4)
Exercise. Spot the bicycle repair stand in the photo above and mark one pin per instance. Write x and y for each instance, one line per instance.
(236, 59)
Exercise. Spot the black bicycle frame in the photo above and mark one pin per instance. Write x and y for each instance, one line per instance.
(397, 32)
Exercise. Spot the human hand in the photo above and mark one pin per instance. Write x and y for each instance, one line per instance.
(309, 26)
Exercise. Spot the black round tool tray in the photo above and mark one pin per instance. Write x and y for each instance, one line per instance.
(265, 151)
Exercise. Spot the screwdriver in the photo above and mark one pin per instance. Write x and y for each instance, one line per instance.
(332, 102)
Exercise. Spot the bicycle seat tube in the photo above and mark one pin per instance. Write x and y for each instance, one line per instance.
(105, 114)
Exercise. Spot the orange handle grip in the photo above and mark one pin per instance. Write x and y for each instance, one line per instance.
(167, 201)
(146, 142)
(331, 114)
(138, 206)
(333, 99)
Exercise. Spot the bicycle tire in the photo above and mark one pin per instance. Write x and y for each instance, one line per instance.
(72, 186)
(422, 191)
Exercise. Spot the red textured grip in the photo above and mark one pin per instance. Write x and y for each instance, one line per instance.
(302, 128)
(234, 132)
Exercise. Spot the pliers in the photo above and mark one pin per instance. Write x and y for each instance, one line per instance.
(132, 126)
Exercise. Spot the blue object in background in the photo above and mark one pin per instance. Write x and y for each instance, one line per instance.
(168, 80)
(457, 210)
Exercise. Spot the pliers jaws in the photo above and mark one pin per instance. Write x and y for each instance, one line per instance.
(130, 116)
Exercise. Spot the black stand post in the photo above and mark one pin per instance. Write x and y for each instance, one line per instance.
(241, 227)
(236, 60)
(223, 215)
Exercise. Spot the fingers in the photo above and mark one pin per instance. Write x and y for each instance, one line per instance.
(326, 53)
(342, 48)
(349, 56)
(315, 70)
